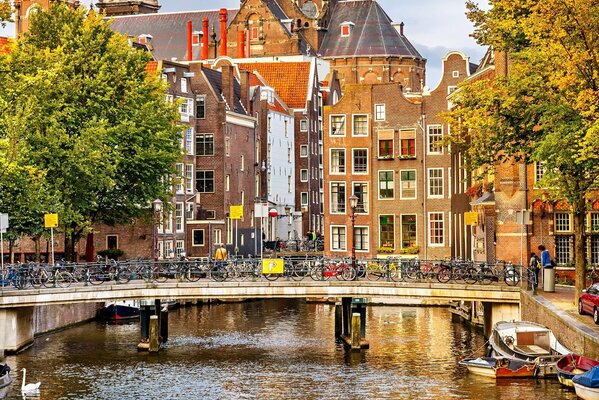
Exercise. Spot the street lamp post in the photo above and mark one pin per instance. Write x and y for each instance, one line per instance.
(157, 208)
(353, 203)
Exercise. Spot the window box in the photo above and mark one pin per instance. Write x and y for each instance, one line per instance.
(387, 157)
(385, 249)
(407, 157)
(410, 250)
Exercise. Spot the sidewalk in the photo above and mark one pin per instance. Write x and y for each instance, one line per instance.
(563, 299)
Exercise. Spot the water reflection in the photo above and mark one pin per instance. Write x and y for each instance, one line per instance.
(278, 349)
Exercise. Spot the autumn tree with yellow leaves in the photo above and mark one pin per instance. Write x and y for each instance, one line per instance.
(545, 107)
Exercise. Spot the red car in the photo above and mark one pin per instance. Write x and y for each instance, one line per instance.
(589, 302)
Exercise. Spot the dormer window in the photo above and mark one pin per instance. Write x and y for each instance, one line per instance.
(346, 28)
(144, 39)
(196, 37)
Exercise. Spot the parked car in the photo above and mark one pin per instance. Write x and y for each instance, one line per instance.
(589, 302)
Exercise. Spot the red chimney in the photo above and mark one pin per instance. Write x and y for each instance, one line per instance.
(189, 41)
(240, 44)
(223, 31)
(204, 54)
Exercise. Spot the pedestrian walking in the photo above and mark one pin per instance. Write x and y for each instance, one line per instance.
(534, 265)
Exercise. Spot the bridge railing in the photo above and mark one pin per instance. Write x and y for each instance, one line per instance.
(22, 276)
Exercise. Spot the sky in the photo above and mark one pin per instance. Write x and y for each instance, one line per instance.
(434, 27)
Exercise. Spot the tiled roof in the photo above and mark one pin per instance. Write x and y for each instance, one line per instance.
(215, 80)
(152, 67)
(289, 79)
(373, 33)
(169, 30)
(4, 45)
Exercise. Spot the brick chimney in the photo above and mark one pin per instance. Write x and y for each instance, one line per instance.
(223, 31)
(189, 41)
(228, 85)
(244, 82)
(240, 44)
(204, 54)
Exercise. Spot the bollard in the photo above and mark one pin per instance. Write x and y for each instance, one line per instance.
(346, 304)
(338, 319)
(154, 339)
(355, 331)
(164, 324)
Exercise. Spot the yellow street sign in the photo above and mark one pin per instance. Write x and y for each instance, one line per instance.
(272, 266)
(471, 218)
(51, 220)
(236, 212)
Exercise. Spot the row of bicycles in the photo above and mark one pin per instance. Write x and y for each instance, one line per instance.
(36, 275)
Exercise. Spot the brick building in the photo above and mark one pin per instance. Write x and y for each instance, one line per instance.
(386, 147)
(499, 233)
(23, 9)
(124, 7)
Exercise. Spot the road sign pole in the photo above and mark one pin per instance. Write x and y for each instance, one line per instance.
(52, 245)
(2, 254)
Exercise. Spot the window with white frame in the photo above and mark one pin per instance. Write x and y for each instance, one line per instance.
(435, 182)
(201, 107)
(304, 150)
(407, 189)
(337, 125)
(179, 217)
(594, 222)
(595, 249)
(386, 185)
(539, 171)
(169, 98)
(436, 229)
(379, 112)
(385, 146)
(563, 222)
(387, 231)
(189, 178)
(338, 238)
(189, 141)
(112, 242)
(184, 85)
(227, 183)
(304, 199)
(179, 178)
(361, 192)
(289, 154)
(198, 237)
(303, 125)
(361, 238)
(360, 125)
(563, 249)
(205, 144)
(360, 161)
(189, 208)
(337, 161)
(242, 163)
(408, 230)
(288, 183)
(304, 175)
(227, 147)
(186, 107)
(179, 248)
(168, 250)
(435, 139)
(168, 222)
(338, 197)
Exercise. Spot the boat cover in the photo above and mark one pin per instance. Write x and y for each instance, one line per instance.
(588, 379)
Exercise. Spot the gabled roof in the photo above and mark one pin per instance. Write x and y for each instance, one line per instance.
(290, 80)
(215, 80)
(256, 82)
(4, 45)
(169, 30)
(372, 35)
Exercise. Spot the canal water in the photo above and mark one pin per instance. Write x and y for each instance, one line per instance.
(272, 349)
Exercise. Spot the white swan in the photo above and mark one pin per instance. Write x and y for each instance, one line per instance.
(30, 387)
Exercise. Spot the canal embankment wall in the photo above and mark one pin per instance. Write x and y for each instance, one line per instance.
(571, 332)
(55, 317)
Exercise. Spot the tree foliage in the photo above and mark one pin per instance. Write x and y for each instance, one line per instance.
(79, 109)
(5, 12)
(545, 107)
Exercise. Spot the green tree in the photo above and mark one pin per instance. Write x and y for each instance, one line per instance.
(545, 107)
(5, 12)
(76, 101)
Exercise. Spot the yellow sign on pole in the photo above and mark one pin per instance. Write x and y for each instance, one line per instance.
(236, 212)
(273, 266)
(51, 220)
(471, 218)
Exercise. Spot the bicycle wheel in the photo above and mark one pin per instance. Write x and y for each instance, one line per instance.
(317, 273)
(373, 271)
(301, 270)
(444, 275)
(123, 275)
(95, 276)
(193, 274)
(511, 277)
(40, 277)
(159, 274)
(218, 273)
(348, 273)
(63, 279)
(471, 276)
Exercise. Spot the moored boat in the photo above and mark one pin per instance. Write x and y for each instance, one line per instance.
(573, 364)
(587, 384)
(497, 368)
(120, 310)
(5, 380)
(527, 341)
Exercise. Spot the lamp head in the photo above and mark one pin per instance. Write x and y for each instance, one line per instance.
(353, 201)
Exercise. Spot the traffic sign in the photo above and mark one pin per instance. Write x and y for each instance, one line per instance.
(51, 220)
(3, 222)
(236, 212)
(471, 218)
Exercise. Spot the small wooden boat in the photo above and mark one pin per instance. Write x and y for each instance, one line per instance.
(587, 384)
(527, 341)
(573, 364)
(5, 380)
(498, 368)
